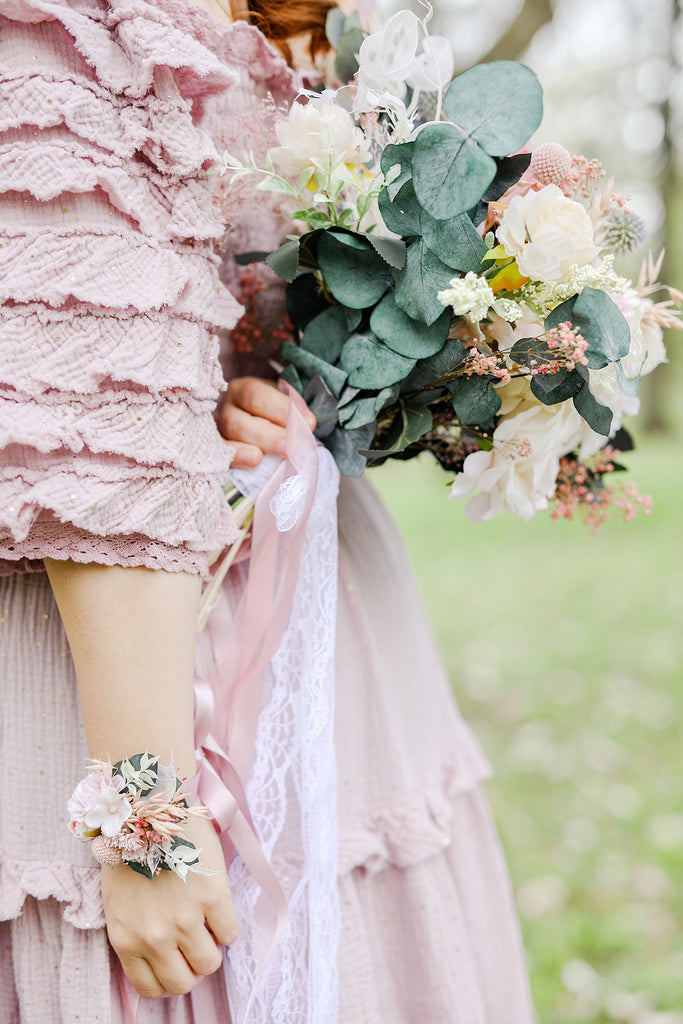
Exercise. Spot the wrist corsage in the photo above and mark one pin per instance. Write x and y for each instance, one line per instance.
(134, 812)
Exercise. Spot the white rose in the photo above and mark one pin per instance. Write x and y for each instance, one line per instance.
(647, 342)
(521, 469)
(317, 133)
(605, 386)
(547, 233)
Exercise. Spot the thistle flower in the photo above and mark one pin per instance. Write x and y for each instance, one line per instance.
(624, 232)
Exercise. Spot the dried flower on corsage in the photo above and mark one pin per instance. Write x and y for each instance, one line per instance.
(134, 812)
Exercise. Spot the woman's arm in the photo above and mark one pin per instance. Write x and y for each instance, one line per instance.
(132, 633)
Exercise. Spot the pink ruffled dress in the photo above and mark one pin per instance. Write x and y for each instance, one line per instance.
(108, 377)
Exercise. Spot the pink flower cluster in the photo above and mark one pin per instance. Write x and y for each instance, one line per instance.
(581, 489)
(568, 346)
(481, 365)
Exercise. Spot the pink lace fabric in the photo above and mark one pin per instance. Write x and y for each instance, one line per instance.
(110, 289)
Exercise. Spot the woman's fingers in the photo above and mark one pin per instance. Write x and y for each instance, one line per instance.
(252, 418)
(222, 920)
(260, 398)
(142, 977)
(238, 425)
(174, 973)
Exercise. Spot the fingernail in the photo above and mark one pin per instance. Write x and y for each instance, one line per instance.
(249, 458)
(281, 448)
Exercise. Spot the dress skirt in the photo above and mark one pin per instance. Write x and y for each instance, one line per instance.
(428, 928)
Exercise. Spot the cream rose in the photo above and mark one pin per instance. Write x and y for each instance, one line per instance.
(317, 133)
(647, 342)
(521, 469)
(547, 233)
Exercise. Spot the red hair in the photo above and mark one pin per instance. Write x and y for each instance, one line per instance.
(280, 20)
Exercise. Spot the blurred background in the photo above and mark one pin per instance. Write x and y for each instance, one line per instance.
(566, 650)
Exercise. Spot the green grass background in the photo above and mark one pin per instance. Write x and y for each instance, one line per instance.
(566, 655)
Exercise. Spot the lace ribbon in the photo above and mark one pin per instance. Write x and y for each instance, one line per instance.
(227, 709)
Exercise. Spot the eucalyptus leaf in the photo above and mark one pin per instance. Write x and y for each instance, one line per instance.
(417, 285)
(404, 214)
(326, 334)
(346, 54)
(475, 400)
(322, 404)
(451, 171)
(305, 300)
(353, 317)
(370, 364)
(456, 241)
(500, 104)
(629, 385)
(596, 415)
(354, 273)
(345, 444)
(310, 364)
(551, 388)
(285, 260)
(601, 323)
(437, 368)
(402, 155)
(364, 409)
(509, 171)
(406, 336)
(335, 26)
(290, 374)
(392, 250)
(243, 259)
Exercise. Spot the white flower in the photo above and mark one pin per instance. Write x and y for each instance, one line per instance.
(647, 343)
(319, 134)
(521, 469)
(469, 296)
(604, 384)
(547, 233)
(85, 798)
(109, 812)
(388, 60)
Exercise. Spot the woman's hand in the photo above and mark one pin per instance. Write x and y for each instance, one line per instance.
(168, 933)
(252, 417)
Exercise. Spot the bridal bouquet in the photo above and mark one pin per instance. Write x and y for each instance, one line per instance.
(451, 292)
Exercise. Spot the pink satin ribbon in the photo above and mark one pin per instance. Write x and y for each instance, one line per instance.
(227, 707)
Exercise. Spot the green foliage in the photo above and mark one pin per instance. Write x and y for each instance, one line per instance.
(500, 105)
(438, 367)
(596, 415)
(403, 156)
(417, 285)
(457, 242)
(402, 215)
(475, 400)
(346, 62)
(451, 171)
(370, 364)
(404, 335)
(309, 364)
(325, 335)
(551, 388)
(600, 322)
(346, 446)
(355, 274)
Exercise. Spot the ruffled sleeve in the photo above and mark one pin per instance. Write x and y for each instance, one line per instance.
(110, 289)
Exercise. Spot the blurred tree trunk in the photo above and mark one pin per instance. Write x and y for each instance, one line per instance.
(512, 44)
(655, 391)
